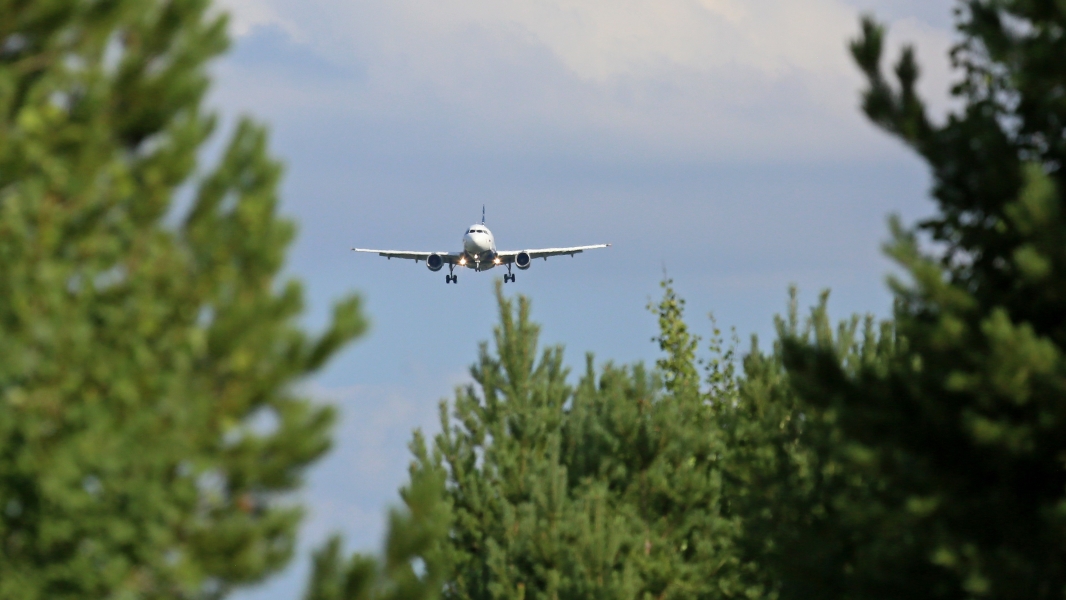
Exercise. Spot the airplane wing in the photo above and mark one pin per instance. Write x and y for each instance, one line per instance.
(447, 257)
(509, 256)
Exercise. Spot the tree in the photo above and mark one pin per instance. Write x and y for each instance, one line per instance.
(523, 527)
(965, 423)
(607, 489)
(629, 484)
(803, 494)
(414, 566)
(148, 421)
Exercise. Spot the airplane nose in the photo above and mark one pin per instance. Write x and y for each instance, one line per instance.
(475, 243)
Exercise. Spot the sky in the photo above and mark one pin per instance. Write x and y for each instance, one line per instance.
(716, 141)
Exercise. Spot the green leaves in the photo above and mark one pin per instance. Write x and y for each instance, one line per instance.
(149, 423)
(901, 112)
(616, 487)
(415, 563)
(962, 426)
(679, 364)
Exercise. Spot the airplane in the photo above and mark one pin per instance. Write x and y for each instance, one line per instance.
(479, 253)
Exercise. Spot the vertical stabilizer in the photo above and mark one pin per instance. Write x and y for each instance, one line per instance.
(482, 214)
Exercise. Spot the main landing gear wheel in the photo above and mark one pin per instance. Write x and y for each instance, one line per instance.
(506, 277)
(451, 279)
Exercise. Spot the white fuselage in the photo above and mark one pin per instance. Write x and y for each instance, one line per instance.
(479, 248)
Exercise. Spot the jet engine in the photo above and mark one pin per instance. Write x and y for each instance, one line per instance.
(434, 262)
(522, 260)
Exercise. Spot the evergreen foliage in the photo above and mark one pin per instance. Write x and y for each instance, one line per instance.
(414, 566)
(963, 426)
(627, 484)
(611, 488)
(624, 485)
(148, 421)
(803, 493)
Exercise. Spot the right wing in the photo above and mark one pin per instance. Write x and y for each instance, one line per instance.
(447, 257)
(508, 256)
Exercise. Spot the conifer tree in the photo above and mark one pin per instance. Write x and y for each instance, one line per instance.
(965, 424)
(628, 485)
(607, 489)
(148, 421)
(521, 529)
(416, 541)
(797, 489)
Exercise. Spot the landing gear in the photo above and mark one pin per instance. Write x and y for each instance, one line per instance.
(451, 279)
(508, 275)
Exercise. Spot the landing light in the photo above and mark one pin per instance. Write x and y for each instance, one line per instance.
(496, 260)
(462, 261)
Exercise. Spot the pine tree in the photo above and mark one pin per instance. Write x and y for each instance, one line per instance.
(628, 485)
(521, 530)
(148, 420)
(800, 492)
(416, 541)
(607, 489)
(965, 423)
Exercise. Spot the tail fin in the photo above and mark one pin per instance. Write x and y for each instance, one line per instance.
(482, 214)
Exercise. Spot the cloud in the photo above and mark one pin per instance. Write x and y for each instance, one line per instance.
(675, 79)
(598, 40)
(247, 15)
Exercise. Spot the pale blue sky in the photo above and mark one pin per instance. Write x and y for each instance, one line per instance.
(719, 139)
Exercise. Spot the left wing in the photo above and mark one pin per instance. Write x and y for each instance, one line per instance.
(447, 257)
(509, 255)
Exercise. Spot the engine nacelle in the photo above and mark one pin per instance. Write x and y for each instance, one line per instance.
(522, 260)
(434, 262)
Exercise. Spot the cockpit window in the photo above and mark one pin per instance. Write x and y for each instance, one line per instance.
(471, 231)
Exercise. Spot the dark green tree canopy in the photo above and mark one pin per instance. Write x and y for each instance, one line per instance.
(965, 426)
(148, 419)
